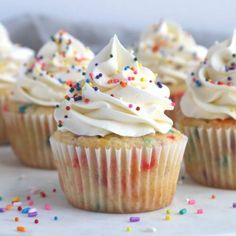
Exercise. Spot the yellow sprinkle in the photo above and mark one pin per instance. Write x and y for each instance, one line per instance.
(168, 217)
(140, 64)
(142, 79)
(168, 211)
(155, 74)
(128, 229)
(16, 199)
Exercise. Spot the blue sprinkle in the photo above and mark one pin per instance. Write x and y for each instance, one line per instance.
(126, 68)
(159, 84)
(55, 218)
(198, 83)
(87, 80)
(25, 210)
(22, 109)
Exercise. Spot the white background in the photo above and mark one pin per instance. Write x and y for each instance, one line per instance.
(212, 15)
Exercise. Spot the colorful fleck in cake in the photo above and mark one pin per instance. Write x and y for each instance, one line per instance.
(115, 149)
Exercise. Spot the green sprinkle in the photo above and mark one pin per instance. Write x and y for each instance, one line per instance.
(147, 141)
(1, 198)
(183, 211)
(171, 131)
(22, 109)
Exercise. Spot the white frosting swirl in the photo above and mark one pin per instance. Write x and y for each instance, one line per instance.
(211, 91)
(166, 49)
(57, 64)
(121, 97)
(12, 57)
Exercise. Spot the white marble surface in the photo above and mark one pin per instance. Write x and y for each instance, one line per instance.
(15, 179)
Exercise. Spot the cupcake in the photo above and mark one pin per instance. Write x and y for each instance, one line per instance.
(171, 53)
(209, 118)
(29, 110)
(12, 57)
(115, 149)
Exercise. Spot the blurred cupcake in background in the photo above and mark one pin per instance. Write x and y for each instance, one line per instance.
(12, 57)
(29, 109)
(115, 149)
(171, 52)
(209, 118)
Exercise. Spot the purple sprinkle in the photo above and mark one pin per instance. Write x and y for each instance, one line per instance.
(134, 219)
(32, 214)
(234, 205)
(2, 209)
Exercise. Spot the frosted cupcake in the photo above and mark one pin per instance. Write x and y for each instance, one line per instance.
(209, 108)
(29, 110)
(12, 57)
(115, 149)
(172, 53)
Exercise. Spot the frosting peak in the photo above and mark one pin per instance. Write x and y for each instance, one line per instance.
(212, 89)
(119, 96)
(169, 51)
(59, 62)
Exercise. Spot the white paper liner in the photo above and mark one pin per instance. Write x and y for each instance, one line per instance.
(29, 137)
(210, 156)
(119, 180)
(3, 133)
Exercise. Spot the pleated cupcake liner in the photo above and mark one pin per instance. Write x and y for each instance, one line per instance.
(3, 132)
(210, 157)
(29, 137)
(119, 180)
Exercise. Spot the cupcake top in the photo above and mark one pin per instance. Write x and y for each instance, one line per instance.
(166, 49)
(12, 57)
(119, 96)
(59, 62)
(211, 90)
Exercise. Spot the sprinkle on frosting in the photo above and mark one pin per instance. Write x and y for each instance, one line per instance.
(167, 49)
(212, 88)
(118, 96)
(61, 61)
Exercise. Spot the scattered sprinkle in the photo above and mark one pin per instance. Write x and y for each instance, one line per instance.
(191, 202)
(200, 211)
(16, 219)
(134, 219)
(47, 207)
(183, 211)
(128, 229)
(21, 229)
(36, 221)
(168, 217)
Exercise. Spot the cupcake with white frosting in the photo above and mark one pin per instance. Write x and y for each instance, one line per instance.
(29, 110)
(12, 57)
(115, 149)
(209, 118)
(171, 52)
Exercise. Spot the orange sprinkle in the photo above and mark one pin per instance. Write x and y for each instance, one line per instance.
(8, 207)
(21, 229)
(17, 219)
(86, 100)
(123, 84)
(109, 81)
